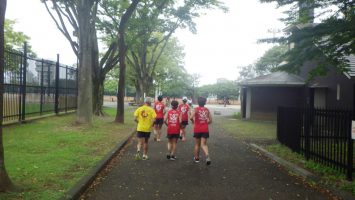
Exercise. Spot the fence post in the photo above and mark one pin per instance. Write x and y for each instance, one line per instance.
(56, 108)
(66, 88)
(41, 105)
(278, 123)
(306, 120)
(349, 173)
(24, 83)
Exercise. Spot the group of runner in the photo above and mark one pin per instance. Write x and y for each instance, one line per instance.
(176, 119)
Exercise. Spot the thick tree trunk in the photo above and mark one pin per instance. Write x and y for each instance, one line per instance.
(98, 97)
(5, 182)
(139, 94)
(143, 87)
(122, 79)
(98, 80)
(84, 110)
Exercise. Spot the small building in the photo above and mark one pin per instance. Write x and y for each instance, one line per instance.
(261, 96)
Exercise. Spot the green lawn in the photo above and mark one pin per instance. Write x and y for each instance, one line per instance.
(249, 130)
(45, 158)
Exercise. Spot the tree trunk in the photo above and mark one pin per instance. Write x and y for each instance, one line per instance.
(139, 94)
(143, 87)
(98, 80)
(5, 182)
(98, 97)
(121, 83)
(122, 60)
(84, 110)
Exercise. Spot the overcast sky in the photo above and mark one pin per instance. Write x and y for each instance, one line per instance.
(223, 43)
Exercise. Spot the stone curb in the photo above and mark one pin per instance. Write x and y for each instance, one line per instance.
(302, 172)
(80, 187)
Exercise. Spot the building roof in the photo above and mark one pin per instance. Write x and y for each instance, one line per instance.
(275, 79)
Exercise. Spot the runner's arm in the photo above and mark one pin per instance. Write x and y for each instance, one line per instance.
(136, 116)
(154, 116)
(192, 116)
(209, 117)
(166, 119)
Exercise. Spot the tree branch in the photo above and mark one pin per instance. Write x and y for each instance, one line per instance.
(61, 26)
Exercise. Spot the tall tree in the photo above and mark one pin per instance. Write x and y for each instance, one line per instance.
(328, 42)
(152, 27)
(5, 182)
(247, 72)
(81, 15)
(122, 60)
(170, 77)
(271, 60)
(66, 13)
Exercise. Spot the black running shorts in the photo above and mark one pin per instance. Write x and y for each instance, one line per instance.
(141, 134)
(201, 135)
(159, 121)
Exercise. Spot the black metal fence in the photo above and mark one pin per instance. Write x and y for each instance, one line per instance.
(323, 135)
(33, 87)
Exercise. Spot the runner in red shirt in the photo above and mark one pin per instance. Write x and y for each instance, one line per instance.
(173, 120)
(159, 120)
(185, 111)
(201, 118)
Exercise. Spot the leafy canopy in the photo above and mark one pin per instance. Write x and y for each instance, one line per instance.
(16, 39)
(328, 41)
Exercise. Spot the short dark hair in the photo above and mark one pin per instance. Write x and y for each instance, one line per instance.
(201, 101)
(174, 104)
(160, 98)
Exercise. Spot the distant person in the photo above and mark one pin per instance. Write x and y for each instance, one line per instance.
(225, 101)
(189, 102)
(201, 118)
(172, 120)
(159, 108)
(145, 117)
(167, 102)
(184, 109)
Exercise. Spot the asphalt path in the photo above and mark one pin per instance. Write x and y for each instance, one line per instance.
(236, 172)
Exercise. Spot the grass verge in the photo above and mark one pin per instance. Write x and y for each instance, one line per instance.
(248, 130)
(46, 157)
(328, 176)
(256, 131)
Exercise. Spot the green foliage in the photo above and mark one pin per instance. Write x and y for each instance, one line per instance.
(271, 59)
(149, 34)
(221, 89)
(266, 64)
(42, 156)
(110, 86)
(328, 175)
(326, 42)
(16, 39)
(247, 72)
(237, 115)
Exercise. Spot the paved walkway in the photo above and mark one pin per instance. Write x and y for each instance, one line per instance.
(235, 173)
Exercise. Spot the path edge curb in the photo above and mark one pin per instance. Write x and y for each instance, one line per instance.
(302, 172)
(79, 188)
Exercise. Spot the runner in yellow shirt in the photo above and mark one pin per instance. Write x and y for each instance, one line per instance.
(145, 117)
